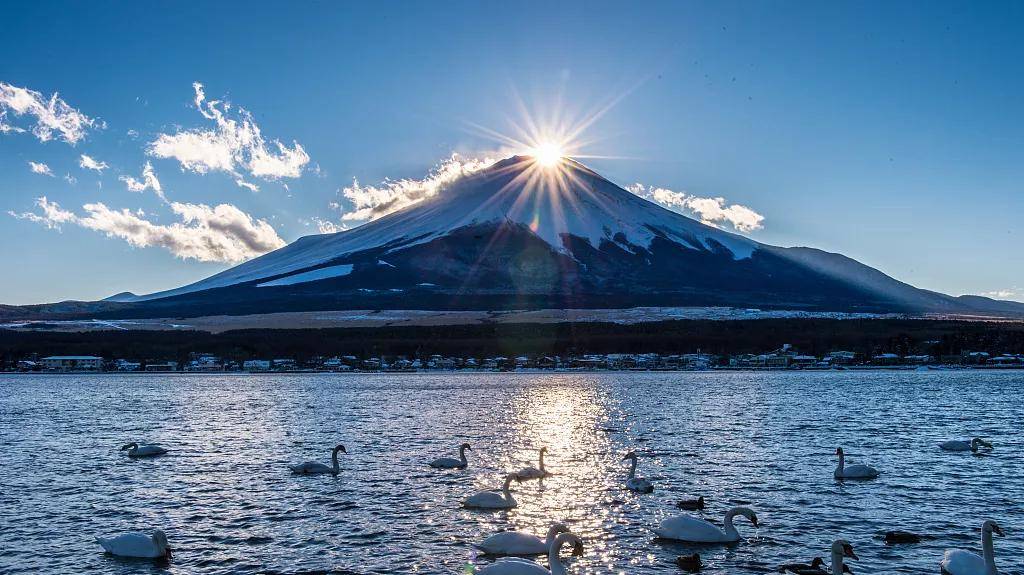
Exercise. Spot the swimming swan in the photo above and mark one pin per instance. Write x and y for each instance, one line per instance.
(696, 530)
(840, 550)
(144, 450)
(972, 445)
(520, 542)
(634, 483)
(137, 545)
(534, 472)
(853, 471)
(960, 562)
(517, 566)
(493, 500)
(314, 468)
(451, 462)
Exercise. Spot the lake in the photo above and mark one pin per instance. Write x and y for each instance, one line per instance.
(228, 503)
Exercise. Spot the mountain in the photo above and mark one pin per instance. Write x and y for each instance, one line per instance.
(520, 235)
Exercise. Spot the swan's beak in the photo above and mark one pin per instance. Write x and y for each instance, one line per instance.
(753, 519)
(848, 551)
(997, 530)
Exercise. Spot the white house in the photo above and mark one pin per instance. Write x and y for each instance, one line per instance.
(73, 363)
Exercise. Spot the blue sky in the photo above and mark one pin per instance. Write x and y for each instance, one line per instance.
(892, 134)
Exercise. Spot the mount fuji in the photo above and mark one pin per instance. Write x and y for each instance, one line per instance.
(519, 235)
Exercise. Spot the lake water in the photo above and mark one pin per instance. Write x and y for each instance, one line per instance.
(229, 504)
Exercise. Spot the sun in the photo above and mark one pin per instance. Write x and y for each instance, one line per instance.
(547, 154)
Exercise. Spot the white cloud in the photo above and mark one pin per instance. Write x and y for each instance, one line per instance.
(244, 184)
(372, 202)
(329, 227)
(1014, 293)
(710, 211)
(70, 179)
(235, 145)
(40, 168)
(149, 182)
(221, 233)
(53, 117)
(88, 163)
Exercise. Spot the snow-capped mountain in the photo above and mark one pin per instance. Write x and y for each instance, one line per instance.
(520, 235)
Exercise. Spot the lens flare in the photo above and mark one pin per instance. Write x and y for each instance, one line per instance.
(547, 154)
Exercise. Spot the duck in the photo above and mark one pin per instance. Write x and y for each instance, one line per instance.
(451, 462)
(518, 566)
(689, 563)
(314, 468)
(691, 504)
(520, 542)
(897, 537)
(961, 562)
(144, 450)
(696, 530)
(958, 445)
(634, 483)
(535, 472)
(136, 544)
(858, 471)
(800, 568)
(494, 500)
(841, 549)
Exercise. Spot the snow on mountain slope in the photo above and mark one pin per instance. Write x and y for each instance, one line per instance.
(551, 202)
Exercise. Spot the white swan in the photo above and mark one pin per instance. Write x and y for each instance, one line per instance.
(451, 462)
(144, 450)
(492, 499)
(841, 549)
(520, 542)
(517, 566)
(972, 445)
(137, 545)
(696, 530)
(314, 468)
(960, 562)
(534, 472)
(854, 471)
(634, 483)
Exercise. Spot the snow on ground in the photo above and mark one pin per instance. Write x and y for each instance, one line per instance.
(317, 274)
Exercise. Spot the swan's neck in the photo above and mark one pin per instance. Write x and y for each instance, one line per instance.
(988, 552)
(334, 461)
(462, 454)
(506, 490)
(842, 464)
(542, 461)
(837, 562)
(632, 468)
(553, 562)
(729, 528)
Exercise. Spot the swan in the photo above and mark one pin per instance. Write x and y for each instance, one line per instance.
(634, 483)
(144, 450)
(854, 471)
(691, 504)
(972, 445)
(695, 530)
(517, 566)
(314, 468)
(137, 545)
(841, 548)
(492, 499)
(520, 542)
(960, 562)
(451, 462)
(534, 472)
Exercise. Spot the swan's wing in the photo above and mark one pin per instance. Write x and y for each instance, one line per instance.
(311, 467)
(955, 445)
(150, 449)
(513, 566)
(513, 543)
(960, 562)
(860, 471)
(485, 499)
(689, 528)
(446, 462)
(130, 545)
